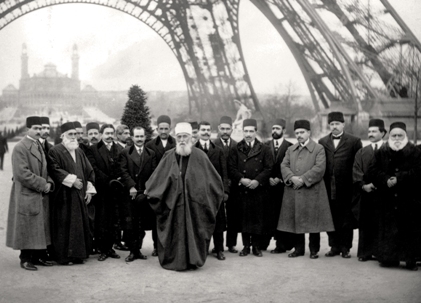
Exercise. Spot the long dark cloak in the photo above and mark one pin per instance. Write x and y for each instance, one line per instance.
(185, 209)
(70, 231)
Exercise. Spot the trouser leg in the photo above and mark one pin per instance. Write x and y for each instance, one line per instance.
(246, 237)
(26, 255)
(333, 241)
(154, 236)
(265, 241)
(255, 240)
(347, 234)
(284, 240)
(218, 241)
(231, 237)
(314, 243)
(299, 244)
(1, 161)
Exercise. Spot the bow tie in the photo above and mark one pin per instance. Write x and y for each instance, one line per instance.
(337, 138)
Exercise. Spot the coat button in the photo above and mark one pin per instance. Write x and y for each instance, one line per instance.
(256, 169)
(244, 171)
(396, 195)
(397, 169)
(245, 192)
(244, 160)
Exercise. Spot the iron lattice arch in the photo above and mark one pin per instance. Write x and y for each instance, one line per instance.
(348, 50)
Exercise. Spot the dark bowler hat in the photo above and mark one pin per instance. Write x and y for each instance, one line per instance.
(225, 120)
(400, 125)
(164, 119)
(116, 185)
(77, 124)
(45, 120)
(302, 124)
(67, 126)
(377, 122)
(33, 120)
(280, 122)
(249, 122)
(92, 125)
(141, 197)
(194, 125)
(335, 116)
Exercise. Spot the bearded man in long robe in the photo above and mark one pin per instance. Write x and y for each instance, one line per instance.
(74, 179)
(185, 193)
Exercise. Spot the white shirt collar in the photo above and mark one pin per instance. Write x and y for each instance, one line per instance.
(306, 142)
(280, 141)
(31, 139)
(202, 142)
(251, 143)
(122, 144)
(228, 141)
(41, 140)
(379, 144)
(338, 134)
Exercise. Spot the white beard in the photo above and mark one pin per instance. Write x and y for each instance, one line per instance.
(184, 150)
(398, 145)
(70, 144)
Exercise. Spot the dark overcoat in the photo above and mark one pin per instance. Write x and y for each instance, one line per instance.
(3, 145)
(338, 177)
(158, 148)
(28, 219)
(185, 209)
(305, 210)
(256, 164)
(276, 192)
(217, 158)
(398, 207)
(135, 170)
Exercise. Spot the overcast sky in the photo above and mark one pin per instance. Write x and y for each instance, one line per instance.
(116, 50)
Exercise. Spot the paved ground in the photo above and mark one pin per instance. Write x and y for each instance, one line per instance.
(273, 278)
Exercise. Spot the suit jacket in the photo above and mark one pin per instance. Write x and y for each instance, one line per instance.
(278, 157)
(158, 148)
(233, 144)
(46, 146)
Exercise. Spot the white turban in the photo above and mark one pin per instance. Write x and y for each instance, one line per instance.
(183, 127)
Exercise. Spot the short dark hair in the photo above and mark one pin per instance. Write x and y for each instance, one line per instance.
(121, 128)
(134, 128)
(204, 123)
(104, 126)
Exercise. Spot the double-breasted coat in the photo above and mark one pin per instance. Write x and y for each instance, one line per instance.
(28, 225)
(305, 210)
(338, 177)
(135, 171)
(256, 164)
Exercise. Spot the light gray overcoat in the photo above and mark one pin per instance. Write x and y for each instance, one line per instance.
(28, 219)
(305, 210)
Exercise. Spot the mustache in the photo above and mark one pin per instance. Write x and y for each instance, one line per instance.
(370, 137)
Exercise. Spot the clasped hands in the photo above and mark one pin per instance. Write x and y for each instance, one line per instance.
(274, 181)
(369, 187)
(252, 184)
(79, 185)
(297, 182)
(392, 181)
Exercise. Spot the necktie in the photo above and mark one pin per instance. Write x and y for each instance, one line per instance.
(205, 147)
(109, 146)
(225, 142)
(375, 147)
(139, 151)
(38, 144)
(276, 146)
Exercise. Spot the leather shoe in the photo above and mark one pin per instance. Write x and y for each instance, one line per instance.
(28, 266)
(155, 253)
(232, 249)
(257, 252)
(277, 251)
(411, 265)
(43, 262)
(112, 254)
(220, 256)
(214, 251)
(389, 264)
(134, 256)
(102, 257)
(313, 255)
(332, 253)
(364, 259)
(121, 246)
(346, 255)
(294, 254)
(245, 251)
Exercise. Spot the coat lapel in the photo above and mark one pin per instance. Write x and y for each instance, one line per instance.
(34, 150)
(134, 155)
(103, 151)
(341, 142)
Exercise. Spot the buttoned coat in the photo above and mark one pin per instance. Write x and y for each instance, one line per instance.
(305, 210)
(338, 177)
(158, 148)
(28, 219)
(255, 164)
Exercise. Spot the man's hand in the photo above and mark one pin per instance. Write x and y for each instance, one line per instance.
(245, 182)
(225, 197)
(78, 183)
(253, 184)
(274, 181)
(133, 193)
(47, 188)
(369, 187)
(297, 182)
(88, 198)
(392, 181)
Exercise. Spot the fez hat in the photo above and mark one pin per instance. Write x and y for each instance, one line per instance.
(67, 126)
(400, 125)
(249, 122)
(280, 122)
(33, 120)
(92, 125)
(77, 124)
(45, 120)
(302, 124)
(194, 125)
(335, 116)
(183, 127)
(226, 120)
(163, 119)
(377, 122)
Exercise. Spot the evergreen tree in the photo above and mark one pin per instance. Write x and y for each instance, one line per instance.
(136, 113)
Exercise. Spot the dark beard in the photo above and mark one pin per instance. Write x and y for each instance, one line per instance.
(277, 136)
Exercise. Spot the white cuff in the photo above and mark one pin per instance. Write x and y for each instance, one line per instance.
(69, 180)
(91, 189)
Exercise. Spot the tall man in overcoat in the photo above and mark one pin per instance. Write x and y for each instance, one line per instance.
(278, 147)
(227, 143)
(28, 225)
(216, 157)
(249, 168)
(365, 193)
(137, 164)
(340, 148)
(305, 205)
(104, 160)
(396, 173)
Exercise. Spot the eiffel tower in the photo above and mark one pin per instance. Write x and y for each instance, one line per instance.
(351, 52)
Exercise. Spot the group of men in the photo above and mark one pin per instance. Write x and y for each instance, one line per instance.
(75, 198)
